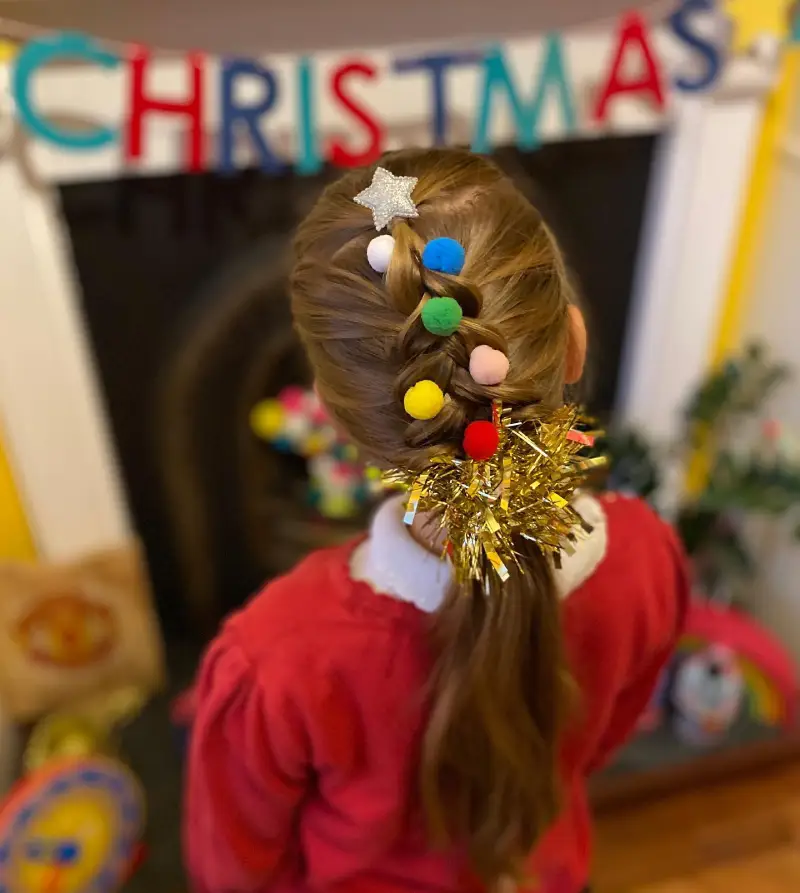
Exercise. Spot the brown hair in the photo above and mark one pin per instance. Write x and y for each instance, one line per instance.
(489, 762)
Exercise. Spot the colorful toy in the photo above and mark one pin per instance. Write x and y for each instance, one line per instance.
(707, 695)
(73, 824)
(296, 422)
(769, 675)
(726, 663)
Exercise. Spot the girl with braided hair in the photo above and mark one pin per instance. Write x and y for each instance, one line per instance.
(419, 710)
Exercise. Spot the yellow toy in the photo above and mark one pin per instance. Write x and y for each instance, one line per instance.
(74, 823)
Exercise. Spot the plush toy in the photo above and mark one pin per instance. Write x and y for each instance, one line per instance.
(707, 695)
(296, 422)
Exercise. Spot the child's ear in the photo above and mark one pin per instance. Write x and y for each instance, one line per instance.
(576, 346)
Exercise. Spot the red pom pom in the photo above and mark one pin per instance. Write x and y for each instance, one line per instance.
(481, 440)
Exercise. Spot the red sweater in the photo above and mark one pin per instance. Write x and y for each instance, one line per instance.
(303, 766)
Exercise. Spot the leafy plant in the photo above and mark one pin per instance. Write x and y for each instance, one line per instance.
(749, 472)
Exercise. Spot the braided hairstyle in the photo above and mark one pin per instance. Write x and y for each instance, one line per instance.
(488, 765)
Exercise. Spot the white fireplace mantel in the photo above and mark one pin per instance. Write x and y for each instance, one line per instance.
(55, 426)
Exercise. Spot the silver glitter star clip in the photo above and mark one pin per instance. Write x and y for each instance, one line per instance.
(388, 197)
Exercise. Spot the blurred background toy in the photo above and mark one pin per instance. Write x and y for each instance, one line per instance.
(728, 668)
(73, 823)
(728, 663)
(295, 421)
(707, 695)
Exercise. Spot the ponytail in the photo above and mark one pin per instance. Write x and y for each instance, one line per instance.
(489, 771)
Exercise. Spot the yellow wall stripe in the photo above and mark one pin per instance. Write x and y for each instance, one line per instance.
(15, 536)
(750, 240)
(751, 234)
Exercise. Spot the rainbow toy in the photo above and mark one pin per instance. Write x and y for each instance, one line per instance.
(772, 692)
(707, 695)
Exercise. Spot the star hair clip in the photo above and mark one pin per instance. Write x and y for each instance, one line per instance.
(388, 196)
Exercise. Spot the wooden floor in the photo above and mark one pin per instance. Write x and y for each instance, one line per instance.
(741, 837)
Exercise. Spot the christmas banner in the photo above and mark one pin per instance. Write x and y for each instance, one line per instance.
(298, 113)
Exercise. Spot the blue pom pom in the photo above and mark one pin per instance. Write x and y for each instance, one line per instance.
(444, 256)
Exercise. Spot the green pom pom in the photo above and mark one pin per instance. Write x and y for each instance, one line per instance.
(441, 316)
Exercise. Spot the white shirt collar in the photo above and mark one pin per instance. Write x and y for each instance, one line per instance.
(393, 563)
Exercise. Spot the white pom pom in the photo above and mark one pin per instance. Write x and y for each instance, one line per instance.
(379, 253)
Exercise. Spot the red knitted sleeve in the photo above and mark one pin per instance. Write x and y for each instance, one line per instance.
(246, 776)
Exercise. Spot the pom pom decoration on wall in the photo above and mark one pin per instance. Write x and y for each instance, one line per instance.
(296, 422)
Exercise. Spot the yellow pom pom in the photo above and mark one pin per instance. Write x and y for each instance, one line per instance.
(267, 419)
(315, 444)
(424, 400)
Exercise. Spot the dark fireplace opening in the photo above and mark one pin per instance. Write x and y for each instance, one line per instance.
(182, 282)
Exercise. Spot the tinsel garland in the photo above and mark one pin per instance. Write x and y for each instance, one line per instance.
(524, 489)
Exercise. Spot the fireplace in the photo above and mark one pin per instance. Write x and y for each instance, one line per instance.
(182, 282)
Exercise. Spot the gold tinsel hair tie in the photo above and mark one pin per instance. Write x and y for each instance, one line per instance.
(524, 488)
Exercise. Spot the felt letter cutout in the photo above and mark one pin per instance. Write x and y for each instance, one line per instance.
(340, 154)
(247, 115)
(308, 157)
(633, 37)
(527, 116)
(438, 65)
(680, 22)
(38, 53)
(142, 104)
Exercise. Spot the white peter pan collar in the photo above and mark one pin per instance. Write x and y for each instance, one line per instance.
(393, 563)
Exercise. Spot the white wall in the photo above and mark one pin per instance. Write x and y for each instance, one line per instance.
(257, 26)
(774, 316)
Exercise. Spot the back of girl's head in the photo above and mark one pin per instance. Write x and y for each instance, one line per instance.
(489, 757)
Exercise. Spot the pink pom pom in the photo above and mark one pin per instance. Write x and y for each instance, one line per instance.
(488, 366)
(292, 397)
